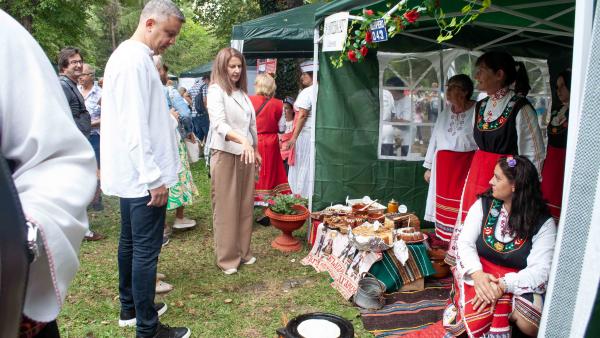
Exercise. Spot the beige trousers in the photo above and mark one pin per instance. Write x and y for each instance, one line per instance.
(233, 208)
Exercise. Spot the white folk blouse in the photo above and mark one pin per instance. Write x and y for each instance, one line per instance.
(532, 279)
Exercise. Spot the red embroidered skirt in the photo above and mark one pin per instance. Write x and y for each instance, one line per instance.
(460, 316)
(553, 176)
(271, 178)
(450, 174)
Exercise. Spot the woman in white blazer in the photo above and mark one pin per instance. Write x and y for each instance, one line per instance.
(233, 160)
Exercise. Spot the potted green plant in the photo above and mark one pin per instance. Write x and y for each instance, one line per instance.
(287, 213)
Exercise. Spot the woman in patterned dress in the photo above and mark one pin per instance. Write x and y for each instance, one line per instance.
(451, 149)
(505, 124)
(554, 165)
(504, 256)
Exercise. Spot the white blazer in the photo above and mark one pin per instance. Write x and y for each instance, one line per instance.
(230, 112)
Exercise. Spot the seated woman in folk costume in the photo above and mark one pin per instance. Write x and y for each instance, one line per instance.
(504, 256)
(505, 124)
(450, 150)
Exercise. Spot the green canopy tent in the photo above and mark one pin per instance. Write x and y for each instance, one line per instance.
(286, 34)
(347, 118)
(348, 99)
(198, 71)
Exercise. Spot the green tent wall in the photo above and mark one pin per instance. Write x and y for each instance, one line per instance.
(347, 123)
(347, 131)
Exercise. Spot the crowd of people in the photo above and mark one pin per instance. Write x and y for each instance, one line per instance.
(139, 128)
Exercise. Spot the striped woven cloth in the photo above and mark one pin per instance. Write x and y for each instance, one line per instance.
(410, 313)
(393, 274)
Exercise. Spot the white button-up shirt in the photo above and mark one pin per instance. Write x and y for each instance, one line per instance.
(138, 146)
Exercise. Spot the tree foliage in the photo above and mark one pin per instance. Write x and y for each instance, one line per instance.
(53, 23)
(195, 46)
(220, 16)
(97, 27)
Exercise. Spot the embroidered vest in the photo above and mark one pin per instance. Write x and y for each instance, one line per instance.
(557, 135)
(512, 254)
(499, 136)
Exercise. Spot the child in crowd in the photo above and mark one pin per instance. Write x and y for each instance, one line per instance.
(286, 127)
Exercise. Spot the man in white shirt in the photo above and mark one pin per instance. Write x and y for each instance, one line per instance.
(52, 169)
(140, 162)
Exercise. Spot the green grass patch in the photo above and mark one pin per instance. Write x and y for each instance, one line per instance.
(263, 296)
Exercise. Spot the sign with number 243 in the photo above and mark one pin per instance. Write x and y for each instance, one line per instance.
(379, 31)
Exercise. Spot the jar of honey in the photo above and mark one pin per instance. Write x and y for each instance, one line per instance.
(392, 206)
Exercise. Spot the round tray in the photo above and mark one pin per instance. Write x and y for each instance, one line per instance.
(418, 241)
(291, 329)
(374, 243)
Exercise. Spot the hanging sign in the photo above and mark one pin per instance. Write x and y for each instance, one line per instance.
(335, 32)
(266, 66)
(379, 31)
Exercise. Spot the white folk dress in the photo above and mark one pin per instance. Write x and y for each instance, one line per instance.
(299, 173)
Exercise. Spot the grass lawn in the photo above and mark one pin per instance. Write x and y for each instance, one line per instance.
(252, 303)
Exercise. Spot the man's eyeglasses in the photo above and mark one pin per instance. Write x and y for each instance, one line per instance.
(87, 74)
(75, 62)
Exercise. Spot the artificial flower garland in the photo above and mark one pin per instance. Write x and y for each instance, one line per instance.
(360, 39)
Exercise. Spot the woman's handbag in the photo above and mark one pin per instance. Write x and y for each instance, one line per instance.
(193, 149)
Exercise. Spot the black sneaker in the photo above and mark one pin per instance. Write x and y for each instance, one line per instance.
(165, 331)
(128, 318)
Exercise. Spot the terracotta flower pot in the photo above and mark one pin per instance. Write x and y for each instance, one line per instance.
(287, 224)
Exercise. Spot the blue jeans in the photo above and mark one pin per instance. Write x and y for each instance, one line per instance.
(139, 247)
(201, 124)
(95, 142)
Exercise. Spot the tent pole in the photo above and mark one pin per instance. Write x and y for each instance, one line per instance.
(558, 319)
(314, 119)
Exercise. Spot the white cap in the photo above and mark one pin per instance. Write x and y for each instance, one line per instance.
(307, 66)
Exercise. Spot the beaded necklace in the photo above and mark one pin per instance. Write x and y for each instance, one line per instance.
(561, 124)
(499, 122)
(489, 229)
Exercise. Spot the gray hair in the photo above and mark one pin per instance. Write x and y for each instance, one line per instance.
(161, 9)
(92, 70)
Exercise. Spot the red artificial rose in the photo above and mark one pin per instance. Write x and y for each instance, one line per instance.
(364, 50)
(297, 196)
(368, 12)
(369, 37)
(412, 16)
(271, 202)
(352, 56)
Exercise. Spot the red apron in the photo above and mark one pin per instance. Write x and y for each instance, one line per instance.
(552, 179)
(450, 174)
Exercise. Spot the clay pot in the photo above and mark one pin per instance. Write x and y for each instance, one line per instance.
(437, 256)
(357, 209)
(441, 268)
(376, 216)
(287, 224)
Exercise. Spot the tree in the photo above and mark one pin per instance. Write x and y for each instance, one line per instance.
(219, 16)
(53, 23)
(194, 46)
